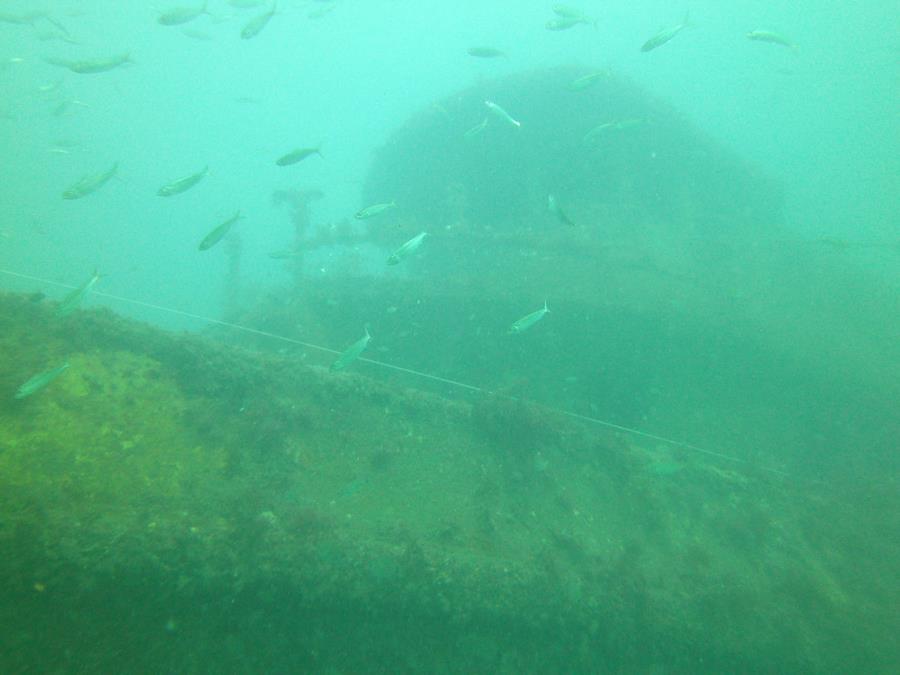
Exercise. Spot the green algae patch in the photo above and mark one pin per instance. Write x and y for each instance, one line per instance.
(293, 511)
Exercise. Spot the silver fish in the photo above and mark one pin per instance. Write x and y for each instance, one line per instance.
(588, 80)
(502, 114)
(90, 184)
(663, 36)
(529, 320)
(256, 24)
(39, 381)
(297, 155)
(181, 15)
(771, 37)
(557, 211)
(92, 66)
(485, 53)
(182, 184)
(374, 210)
(352, 352)
(73, 300)
(477, 129)
(407, 249)
(215, 236)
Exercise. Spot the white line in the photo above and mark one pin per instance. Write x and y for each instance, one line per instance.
(390, 366)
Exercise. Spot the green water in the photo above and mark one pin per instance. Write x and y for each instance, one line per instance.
(687, 465)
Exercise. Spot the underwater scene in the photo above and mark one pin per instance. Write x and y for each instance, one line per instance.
(407, 336)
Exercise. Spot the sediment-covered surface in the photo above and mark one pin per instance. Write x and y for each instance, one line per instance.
(172, 505)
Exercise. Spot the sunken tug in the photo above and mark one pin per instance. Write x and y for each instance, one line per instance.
(246, 510)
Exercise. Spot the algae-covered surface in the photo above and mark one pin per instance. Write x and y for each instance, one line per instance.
(172, 505)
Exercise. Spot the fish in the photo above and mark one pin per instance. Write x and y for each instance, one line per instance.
(352, 352)
(485, 53)
(73, 300)
(284, 254)
(555, 209)
(37, 382)
(297, 155)
(92, 66)
(588, 80)
(181, 15)
(321, 12)
(567, 22)
(529, 320)
(374, 210)
(663, 36)
(619, 125)
(182, 184)
(771, 37)
(215, 236)
(568, 12)
(90, 183)
(255, 25)
(407, 249)
(502, 114)
(477, 129)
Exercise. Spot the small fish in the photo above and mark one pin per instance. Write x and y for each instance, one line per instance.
(215, 236)
(485, 53)
(297, 155)
(285, 254)
(321, 12)
(352, 352)
(665, 35)
(73, 300)
(555, 209)
(771, 38)
(619, 125)
(502, 114)
(529, 320)
(588, 80)
(39, 381)
(566, 22)
(407, 249)
(181, 15)
(182, 184)
(374, 210)
(256, 24)
(568, 12)
(92, 66)
(90, 184)
(477, 129)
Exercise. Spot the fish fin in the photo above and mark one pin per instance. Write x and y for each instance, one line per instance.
(366, 327)
(547, 305)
